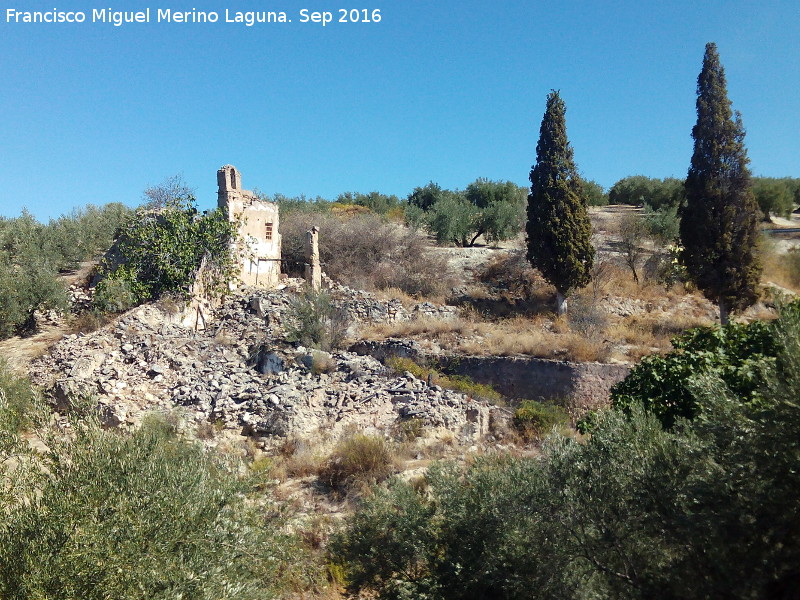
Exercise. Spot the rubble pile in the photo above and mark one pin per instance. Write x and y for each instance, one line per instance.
(241, 374)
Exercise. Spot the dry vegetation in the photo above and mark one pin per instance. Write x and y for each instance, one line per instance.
(366, 252)
(507, 308)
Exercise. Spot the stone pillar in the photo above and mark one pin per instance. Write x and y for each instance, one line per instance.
(313, 267)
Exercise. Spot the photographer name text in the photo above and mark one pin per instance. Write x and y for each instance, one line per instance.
(119, 18)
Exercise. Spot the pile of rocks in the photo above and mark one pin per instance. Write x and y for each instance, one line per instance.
(239, 373)
(80, 297)
(363, 306)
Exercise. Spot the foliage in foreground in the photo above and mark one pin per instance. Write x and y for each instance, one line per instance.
(105, 514)
(708, 509)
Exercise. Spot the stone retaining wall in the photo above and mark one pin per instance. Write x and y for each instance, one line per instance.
(577, 386)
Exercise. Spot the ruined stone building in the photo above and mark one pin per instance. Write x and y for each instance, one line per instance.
(259, 250)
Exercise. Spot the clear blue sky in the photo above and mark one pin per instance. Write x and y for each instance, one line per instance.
(440, 90)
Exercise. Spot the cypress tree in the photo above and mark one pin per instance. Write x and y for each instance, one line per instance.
(558, 228)
(719, 224)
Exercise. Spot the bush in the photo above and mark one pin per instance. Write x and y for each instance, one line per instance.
(366, 253)
(585, 315)
(534, 419)
(358, 462)
(315, 321)
(114, 295)
(739, 354)
(160, 252)
(662, 224)
(18, 401)
(105, 514)
(635, 512)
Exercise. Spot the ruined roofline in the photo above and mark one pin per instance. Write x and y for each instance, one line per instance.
(229, 186)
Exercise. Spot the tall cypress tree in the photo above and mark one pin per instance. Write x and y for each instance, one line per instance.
(719, 224)
(558, 228)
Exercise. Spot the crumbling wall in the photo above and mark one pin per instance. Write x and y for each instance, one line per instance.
(579, 387)
(259, 249)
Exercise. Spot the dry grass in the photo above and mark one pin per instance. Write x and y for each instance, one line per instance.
(89, 321)
(393, 293)
(508, 337)
(363, 251)
(543, 336)
(781, 268)
(428, 327)
(618, 281)
(296, 458)
(357, 463)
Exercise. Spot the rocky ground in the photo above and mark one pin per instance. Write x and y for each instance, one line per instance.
(243, 377)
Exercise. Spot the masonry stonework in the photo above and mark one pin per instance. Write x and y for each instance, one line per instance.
(313, 269)
(259, 249)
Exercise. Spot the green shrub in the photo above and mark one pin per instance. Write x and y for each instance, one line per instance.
(160, 251)
(357, 462)
(740, 354)
(115, 294)
(534, 419)
(589, 422)
(18, 401)
(315, 321)
(106, 514)
(662, 224)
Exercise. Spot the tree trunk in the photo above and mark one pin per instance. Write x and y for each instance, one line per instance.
(561, 303)
(723, 312)
(475, 239)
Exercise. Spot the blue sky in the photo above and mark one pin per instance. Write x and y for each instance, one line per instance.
(440, 90)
